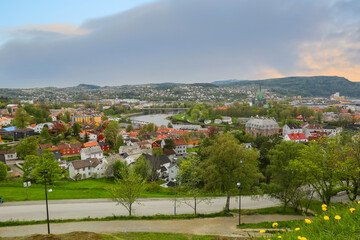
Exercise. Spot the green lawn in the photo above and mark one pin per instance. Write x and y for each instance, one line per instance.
(269, 210)
(85, 189)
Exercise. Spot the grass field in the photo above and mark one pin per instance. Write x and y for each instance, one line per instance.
(269, 210)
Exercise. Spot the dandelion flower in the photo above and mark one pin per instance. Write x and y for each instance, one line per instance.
(297, 229)
(299, 237)
(352, 210)
(303, 238)
(324, 209)
(275, 224)
(358, 202)
(279, 237)
(326, 218)
(308, 221)
(262, 231)
(324, 206)
(337, 217)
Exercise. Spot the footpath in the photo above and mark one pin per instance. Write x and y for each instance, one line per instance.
(223, 226)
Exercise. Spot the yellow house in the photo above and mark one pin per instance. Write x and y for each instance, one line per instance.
(86, 118)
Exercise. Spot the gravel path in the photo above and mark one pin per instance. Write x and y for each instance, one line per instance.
(224, 226)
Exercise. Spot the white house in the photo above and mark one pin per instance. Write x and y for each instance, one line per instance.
(38, 128)
(227, 120)
(91, 167)
(296, 137)
(217, 121)
(173, 171)
(91, 152)
(9, 154)
(180, 146)
(207, 121)
(291, 128)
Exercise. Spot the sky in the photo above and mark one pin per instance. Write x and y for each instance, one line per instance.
(116, 42)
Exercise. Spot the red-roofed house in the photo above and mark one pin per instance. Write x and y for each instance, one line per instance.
(90, 144)
(296, 137)
(180, 146)
(69, 149)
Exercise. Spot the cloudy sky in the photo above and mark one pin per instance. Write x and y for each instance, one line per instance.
(116, 42)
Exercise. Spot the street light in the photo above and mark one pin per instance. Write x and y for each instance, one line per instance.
(47, 209)
(239, 187)
(175, 198)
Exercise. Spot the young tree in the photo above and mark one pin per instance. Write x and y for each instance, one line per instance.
(129, 128)
(76, 129)
(111, 132)
(28, 166)
(118, 168)
(27, 146)
(3, 171)
(157, 151)
(142, 168)
(318, 162)
(21, 119)
(47, 163)
(169, 144)
(226, 163)
(191, 180)
(285, 182)
(127, 190)
(45, 132)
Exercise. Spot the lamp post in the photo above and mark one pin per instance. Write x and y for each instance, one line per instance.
(47, 209)
(175, 198)
(239, 187)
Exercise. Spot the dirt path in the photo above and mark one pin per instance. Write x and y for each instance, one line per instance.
(224, 226)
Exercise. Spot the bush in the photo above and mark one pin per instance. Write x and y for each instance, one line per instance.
(3, 171)
(153, 187)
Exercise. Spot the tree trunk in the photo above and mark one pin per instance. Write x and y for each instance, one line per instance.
(227, 205)
(195, 205)
(130, 209)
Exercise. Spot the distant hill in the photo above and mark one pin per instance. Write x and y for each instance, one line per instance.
(317, 86)
(87, 86)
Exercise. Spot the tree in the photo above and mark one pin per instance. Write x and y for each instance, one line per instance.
(142, 168)
(111, 132)
(58, 128)
(190, 178)
(305, 111)
(169, 144)
(47, 163)
(318, 164)
(119, 142)
(157, 151)
(127, 189)
(45, 132)
(285, 182)
(118, 168)
(28, 166)
(129, 128)
(3, 171)
(21, 119)
(76, 129)
(226, 163)
(169, 125)
(27, 146)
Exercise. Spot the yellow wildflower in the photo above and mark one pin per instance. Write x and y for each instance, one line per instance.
(308, 221)
(324, 206)
(303, 238)
(326, 218)
(279, 237)
(337, 217)
(299, 237)
(352, 210)
(262, 231)
(324, 209)
(316, 215)
(275, 224)
(297, 229)
(358, 202)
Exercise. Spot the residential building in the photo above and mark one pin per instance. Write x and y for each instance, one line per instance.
(38, 128)
(9, 154)
(22, 133)
(180, 146)
(291, 128)
(104, 146)
(86, 168)
(261, 126)
(296, 137)
(86, 118)
(91, 152)
(69, 149)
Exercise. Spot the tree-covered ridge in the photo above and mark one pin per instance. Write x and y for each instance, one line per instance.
(317, 86)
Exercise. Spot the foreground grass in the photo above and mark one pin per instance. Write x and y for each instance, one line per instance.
(114, 218)
(337, 222)
(269, 210)
(123, 236)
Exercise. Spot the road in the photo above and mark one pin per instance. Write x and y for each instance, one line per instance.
(82, 208)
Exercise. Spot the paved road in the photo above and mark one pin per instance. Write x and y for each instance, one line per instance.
(224, 226)
(81, 208)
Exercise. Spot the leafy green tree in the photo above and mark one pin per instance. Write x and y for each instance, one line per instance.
(127, 190)
(27, 146)
(76, 129)
(111, 132)
(119, 142)
(47, 163)
(226, 163)
(191, 180)
(45, 132)
(169, 144)
(118, 168)
(318, 163)
(3, 171)
(157, 151)
(28, 166)
(129, 128)
(305, 112)
(142, 168)
(21, 119)
(285, 182)
(169, 125)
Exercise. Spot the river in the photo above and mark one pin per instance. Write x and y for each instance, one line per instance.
(160, 119)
